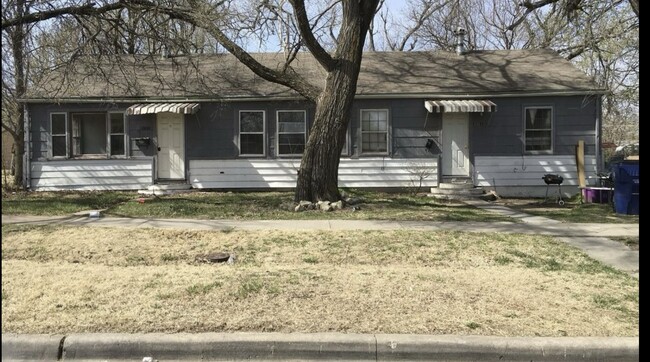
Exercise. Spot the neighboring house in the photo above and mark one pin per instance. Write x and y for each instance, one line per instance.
(498, 118)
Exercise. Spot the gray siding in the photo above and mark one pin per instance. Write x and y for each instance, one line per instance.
(410, 127)
(212, 133)
(501, 133)
(142, 126)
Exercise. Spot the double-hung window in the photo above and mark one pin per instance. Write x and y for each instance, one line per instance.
(91, 134)
(59, 134)
(292, 132)
(117, 134)
(374, 131)
(252, 126)
(538, 125)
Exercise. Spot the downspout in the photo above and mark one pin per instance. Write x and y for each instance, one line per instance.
(599, 128)
(27, 135)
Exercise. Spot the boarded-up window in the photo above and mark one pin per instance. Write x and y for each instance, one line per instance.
(251, 133)
(539, 129)
(374, 131)
(291, 132)
(59, 134)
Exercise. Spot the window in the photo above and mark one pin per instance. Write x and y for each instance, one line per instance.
(291, 132)
(251, 133)
(117, 134)
(374, 131)
(538, 129)
(92, 134)
(88, 134)
(59, 134)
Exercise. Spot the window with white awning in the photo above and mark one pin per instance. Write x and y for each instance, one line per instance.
(456, 105)
(149, 108)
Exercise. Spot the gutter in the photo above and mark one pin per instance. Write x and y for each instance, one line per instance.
(291, 98)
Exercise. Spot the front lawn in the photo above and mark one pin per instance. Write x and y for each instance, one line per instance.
(67, 280)
(573, 210)
(243, 205)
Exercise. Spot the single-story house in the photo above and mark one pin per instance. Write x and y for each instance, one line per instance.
(499, 119)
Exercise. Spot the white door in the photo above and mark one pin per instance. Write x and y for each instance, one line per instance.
(455, 158)
(171, 146)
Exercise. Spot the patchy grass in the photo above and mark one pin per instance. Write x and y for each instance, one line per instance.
(572, 212)
(58, 279)
(62, 202)
(243, 206)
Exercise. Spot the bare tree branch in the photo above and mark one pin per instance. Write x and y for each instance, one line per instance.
(313, 45)
(87, 9)
(635, 7)
(200, 18)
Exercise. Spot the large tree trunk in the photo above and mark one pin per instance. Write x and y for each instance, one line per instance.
(319, 168)
(318, 175)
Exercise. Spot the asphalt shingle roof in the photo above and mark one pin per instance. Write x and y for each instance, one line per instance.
(426, 74)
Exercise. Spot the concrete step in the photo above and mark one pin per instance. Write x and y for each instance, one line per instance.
(169, 186)
(456, 180)
(454, 186)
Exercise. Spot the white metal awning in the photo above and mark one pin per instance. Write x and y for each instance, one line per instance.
(147, 108)
(460, 106)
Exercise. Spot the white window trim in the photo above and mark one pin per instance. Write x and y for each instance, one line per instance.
(388, 135)
(277, 131)
(539, 152)
(109, 134)
(263, 133)
(50, 149)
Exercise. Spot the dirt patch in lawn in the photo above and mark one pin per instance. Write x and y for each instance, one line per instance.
(67, 279)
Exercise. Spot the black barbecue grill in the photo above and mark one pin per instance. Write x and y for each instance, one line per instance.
(550, 179)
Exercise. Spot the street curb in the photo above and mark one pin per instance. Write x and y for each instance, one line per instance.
(31, 347)
(488, 348)
(220, 346)
(313, 346)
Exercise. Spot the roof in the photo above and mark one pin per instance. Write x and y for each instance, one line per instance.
(383, 74)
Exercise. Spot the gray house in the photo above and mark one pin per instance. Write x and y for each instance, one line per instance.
(501, 119)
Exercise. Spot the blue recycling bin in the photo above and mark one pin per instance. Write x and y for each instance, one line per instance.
(626, 187)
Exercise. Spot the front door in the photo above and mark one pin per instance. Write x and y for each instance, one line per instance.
(171, 146)
(455, 150)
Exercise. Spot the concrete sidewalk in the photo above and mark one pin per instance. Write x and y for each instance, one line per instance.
(591, 238)
(552, 228)
(312, 347)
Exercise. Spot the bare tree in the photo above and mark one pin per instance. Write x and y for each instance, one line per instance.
(14, 82)
(318, 174)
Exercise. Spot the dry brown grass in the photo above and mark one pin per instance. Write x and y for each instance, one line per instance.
(65, 279)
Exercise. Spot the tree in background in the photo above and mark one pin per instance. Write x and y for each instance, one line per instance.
(318, 174)
(599, 36)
